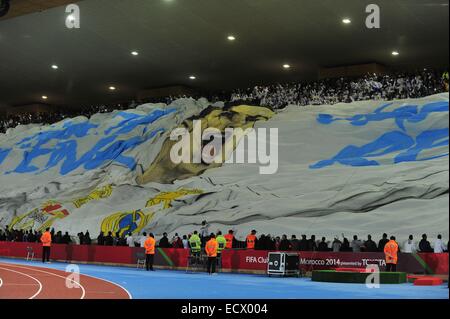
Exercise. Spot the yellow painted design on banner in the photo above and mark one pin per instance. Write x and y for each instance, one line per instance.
(126, 222)
(135, 221)
(167, 197)
(40, 218)
(97, 194)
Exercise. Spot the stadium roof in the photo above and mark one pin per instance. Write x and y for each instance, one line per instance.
(176, 41)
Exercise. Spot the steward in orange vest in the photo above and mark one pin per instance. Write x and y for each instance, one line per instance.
(46, 240)
(211, 251)
(149, 245)
(229, 238)
(391, 253)
(251, 240)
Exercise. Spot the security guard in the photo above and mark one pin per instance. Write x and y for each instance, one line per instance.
(230, 239)
(391, 253)
(251, 240)
(149, 245)
(211, 248)
(195, 243)
(196, 248)
(46, 240)
(222, 243)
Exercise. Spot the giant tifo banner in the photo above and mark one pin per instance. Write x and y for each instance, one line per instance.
(368, 167)
(253, 261)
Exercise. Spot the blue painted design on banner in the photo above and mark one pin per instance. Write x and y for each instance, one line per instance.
(133, 120)
(401, 114)
(356, 155)
(64, 150)
(69, 130)
(4, 154)
(391, 142)
(130, 222)
(425, 140)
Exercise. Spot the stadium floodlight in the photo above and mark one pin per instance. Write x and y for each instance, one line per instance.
(346, 21)
(4, 7)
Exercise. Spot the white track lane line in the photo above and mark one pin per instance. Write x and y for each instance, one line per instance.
(113, 283)
(21, 273)
(1, 282)
(46, 272)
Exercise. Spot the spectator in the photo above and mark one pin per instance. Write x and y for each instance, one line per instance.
(87, 238)
(277, 243)
(142, 239)
(270, 243)
(336, 245)
(58, 239)
(109, 240)
(295, 243)
(32, 237)
(116, 239)
(345, 246)
(164, 241)
(261, 243)
(410, 245)
(121, 240)
(370, 245)
(37, 236)
(312, 245)
(424, 245)
(101, 239)
(285, 244)
(439, 246)
(356, 244)
(130, 240)
(185, 242)
(383, 242)
(81, 238)
(304, 244)
(323, 245)
(177, 242)
(66, 239)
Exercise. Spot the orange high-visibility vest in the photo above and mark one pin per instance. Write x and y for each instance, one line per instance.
(391, 250)
(251, 240)
(229, 238)
(211, 247)
(46, 239)
(149, 246)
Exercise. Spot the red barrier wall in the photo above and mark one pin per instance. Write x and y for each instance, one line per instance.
(232, 260)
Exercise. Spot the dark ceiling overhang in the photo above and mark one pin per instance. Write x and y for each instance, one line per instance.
(178, 38)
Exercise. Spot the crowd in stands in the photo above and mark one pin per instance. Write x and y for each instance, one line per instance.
(346, 90)
(11, 121)
(263, 242)
(328, 91)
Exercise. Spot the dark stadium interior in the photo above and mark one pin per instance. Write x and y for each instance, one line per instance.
(176, 39)
(195, 151)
